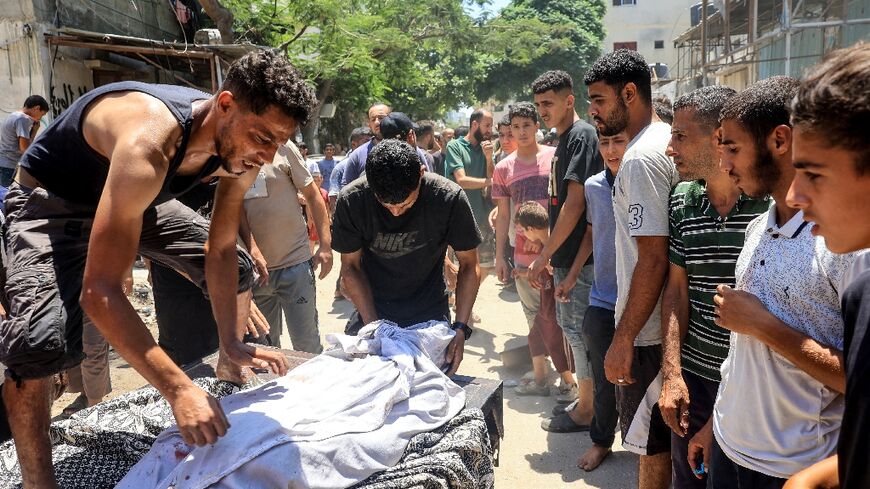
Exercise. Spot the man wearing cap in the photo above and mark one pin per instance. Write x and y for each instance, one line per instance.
(273, 227)
(399, 126)
(393, 227)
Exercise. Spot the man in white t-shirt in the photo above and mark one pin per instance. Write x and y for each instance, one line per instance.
(273, 217)
(780, 403)
(620, 100)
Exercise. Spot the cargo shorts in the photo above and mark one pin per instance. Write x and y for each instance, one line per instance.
(46, 240)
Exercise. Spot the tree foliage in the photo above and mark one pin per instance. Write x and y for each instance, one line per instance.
(424, 58)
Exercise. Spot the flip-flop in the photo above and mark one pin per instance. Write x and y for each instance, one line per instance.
(79, 403)
(563, 424)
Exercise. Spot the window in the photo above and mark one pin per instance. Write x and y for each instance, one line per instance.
(632, 46)
(659, 44)
(617, 3)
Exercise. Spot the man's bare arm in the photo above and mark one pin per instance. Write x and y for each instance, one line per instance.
(674, 398)
(357, 286)
(467, 283)
(569, 216)
(675, 319)
(502, 227)
(140, 148)
(317, 207)
(742, 312)
(469, 183)
(644, 292)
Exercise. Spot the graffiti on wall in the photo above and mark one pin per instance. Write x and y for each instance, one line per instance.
(62, 101)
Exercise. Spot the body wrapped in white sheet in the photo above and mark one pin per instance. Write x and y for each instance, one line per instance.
(331, 422)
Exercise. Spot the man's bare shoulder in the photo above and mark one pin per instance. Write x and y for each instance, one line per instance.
(130, 116)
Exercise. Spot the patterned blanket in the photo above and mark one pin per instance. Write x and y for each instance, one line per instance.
(96, 447)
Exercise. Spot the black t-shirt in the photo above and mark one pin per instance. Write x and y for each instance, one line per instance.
(577, 158)
(852, 449)
(403, 257)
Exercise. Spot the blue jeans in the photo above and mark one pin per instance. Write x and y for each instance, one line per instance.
(291, 291)
(6, 176)
(570, 317)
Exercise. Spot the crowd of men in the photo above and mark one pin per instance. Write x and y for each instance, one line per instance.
(693, 271)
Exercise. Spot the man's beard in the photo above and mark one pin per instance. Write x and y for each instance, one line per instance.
(618, 120)
(478, 136)
(766, 173)
(225, 150)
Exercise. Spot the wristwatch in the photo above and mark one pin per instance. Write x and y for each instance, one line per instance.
(462, 326)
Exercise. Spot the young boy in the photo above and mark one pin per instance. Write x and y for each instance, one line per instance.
(598, 323)
(522, 176)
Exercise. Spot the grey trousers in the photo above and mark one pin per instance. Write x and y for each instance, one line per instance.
(291, 291)
(91, 377)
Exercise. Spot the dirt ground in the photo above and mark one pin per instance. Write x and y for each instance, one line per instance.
(530, 457)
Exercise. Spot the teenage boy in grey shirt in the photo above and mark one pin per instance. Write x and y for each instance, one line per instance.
(16, 134)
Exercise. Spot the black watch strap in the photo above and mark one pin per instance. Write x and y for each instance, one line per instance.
(462, 326)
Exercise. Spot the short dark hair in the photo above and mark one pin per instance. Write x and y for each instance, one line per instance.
(460, 132)
(505, 121)
(301, 145)
(532, 214)
(620, 68)
(707, 102)
(477, 115)
(523, 109)
(261, 79)
(328, 145)
(423, 128)
(663, 108)
(833, 101)
(555, 80)
(393, 170)
(762, 106)
(36, 101)
(360, 132)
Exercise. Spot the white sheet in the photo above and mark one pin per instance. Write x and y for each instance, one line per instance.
(331, 422)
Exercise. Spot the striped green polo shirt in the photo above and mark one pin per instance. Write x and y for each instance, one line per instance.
(707, 246)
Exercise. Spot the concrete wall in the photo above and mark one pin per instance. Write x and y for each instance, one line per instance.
(646, 22)
(28, 66)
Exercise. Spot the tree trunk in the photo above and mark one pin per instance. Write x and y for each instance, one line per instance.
(222, 17)
(310, 131)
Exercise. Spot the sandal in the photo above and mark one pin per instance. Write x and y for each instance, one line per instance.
(563, 424)
(79, 403)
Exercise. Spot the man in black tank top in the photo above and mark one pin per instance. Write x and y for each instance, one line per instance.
(98, 187)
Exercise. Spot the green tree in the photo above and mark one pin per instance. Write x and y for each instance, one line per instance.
(571, 42)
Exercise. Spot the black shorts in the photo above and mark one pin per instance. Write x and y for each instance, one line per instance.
(643, 430)
(46, 246)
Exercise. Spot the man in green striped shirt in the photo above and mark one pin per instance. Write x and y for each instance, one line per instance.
(708, 219)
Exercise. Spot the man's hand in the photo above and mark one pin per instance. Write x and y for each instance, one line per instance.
(455, 351)
(536, 268)
(323, 259)
(201, 421)
(701, 445)
(674, 404)
(256, 323)
(487, 148)
(262, 270)
(245, 355)
(493, 215)
(502, 271)
(563, 289)
(738, 311)
(617, 361)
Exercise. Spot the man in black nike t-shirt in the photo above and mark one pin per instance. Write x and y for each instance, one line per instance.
(393, 228)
